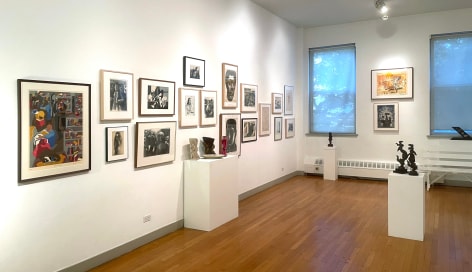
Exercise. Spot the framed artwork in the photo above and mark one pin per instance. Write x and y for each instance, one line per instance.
(248, 98)
(207, 108)
(289, 127)
(156, 97)
(230, 86)
(155, 143)
(194, 72)
(229, 127)
(188, 107)
(249, 130)
(277, 128)
(117, 143)
(54, 128)
(264, 119)
(394, 83)
(386, 116)
(277, 103)
(116, 95)
(288, 100)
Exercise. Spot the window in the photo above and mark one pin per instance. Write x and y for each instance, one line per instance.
(451, 82)
(332, 86)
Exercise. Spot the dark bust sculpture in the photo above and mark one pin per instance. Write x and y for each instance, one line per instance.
(209, 145)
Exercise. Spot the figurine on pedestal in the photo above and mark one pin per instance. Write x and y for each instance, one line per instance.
(330, 139)
(412, 161)
(209, 145)
(224, 145)
(401, 169)
(194, 149)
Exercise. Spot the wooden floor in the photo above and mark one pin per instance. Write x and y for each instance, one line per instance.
(307, 224)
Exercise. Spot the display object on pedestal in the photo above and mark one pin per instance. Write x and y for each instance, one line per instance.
(209, 145)
(224, 144)
(409, 158)
(330, 139)
(194, 149)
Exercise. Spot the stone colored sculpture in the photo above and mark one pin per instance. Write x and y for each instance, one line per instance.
(194, 149)
(209, 145)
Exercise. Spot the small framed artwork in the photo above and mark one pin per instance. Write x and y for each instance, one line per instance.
(248, 98)
(393, 83)
(188, 107)
(230, 86)
(277, 103)
(277, 128)
(229, 127)
(264, 119)
(116, 95)
(386, 116)
(155, 143)
(54, 129)
(288, 100)
(249, 130)
(194, 72)
(207, 108)
(117, 143)
(156, 97)
(289, 127)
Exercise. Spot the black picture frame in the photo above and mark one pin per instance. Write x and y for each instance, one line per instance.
(248, 130)
(194, 72)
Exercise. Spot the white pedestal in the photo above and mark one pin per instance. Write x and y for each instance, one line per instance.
(330, 163)
(406, 206)
(210, 192)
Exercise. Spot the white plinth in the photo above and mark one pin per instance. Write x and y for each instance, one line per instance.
(210, 192)
(406, 206)
(330, 163)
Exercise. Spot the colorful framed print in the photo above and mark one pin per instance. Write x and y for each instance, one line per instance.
(289, 127)
(156, 97)
(277, 103)
(277, 128)
(117, 143)
(230, 127)
(116, 95)
(396, 83)
(288, 100)
(264, 119)
(230, 86)
(54, 129)
(194, 72)
(188, 108)
(155, 143)
(249, 130)
(207, 108)
(386, 116)
(248, 98)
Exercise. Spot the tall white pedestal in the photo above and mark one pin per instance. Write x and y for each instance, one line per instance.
(406, 206)
(210, 192)
(330, 163)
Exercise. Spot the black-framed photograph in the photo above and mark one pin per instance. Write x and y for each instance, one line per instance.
(278, 128)
(208, 108)
(277, 102)
(289, 127)
(288, 100)
(189, 108)
(230, 127)
(264, 119)
(230, 86)
(248, 97)
(395, 83)
(386, 116)
(117, 143)
(249, 130)
(194, 72)
(116, 92)
(155, 143)
(156, 97)
(54, 128)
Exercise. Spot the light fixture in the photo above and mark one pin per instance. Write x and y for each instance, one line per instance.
(382, 7)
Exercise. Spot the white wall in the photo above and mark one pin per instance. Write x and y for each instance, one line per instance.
(61, 221)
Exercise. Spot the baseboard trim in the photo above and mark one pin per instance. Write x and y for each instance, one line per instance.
(269, 184)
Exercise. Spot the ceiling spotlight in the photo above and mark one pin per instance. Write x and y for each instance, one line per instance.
(381, 6)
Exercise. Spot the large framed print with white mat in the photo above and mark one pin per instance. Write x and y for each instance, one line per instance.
(156, 97)
(116, 91)
(155, 143)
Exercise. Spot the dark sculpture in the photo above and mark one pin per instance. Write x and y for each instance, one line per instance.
(224, 145)
(401, 169)
(209, 145)
(411, 161)
(330, 139)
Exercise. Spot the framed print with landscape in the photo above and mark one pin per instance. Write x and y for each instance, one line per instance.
(288, 100)
(249, 130)
(155, 143)
(264, 119)
(207, 108)
(394, 83)
(156, 97)
(289, 127)
(116, 91)
(230, 127)
(386, 116)
(188, 107)
(194, 72)
(248, 98)
(230, 86)
(117, 143)
(277, 103)
(54, 128)
(277, 128)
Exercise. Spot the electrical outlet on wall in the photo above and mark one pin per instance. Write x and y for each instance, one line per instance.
(146, 218)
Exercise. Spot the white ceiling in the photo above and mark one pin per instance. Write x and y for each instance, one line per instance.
(312, 13)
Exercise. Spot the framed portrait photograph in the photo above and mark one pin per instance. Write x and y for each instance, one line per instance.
(289, 127)
(396, 83)
(230, 86)
(248, 98)
(288, 100)
(264, 119)
(277, 128)
(54, 128)
(249, 130)
(116, 92)
(230, 125)
(156, 97)
(188, 107)
(207, 108)
(277, 103)
(194, 72)
(117, 143)
(155, 143)
(386, 116)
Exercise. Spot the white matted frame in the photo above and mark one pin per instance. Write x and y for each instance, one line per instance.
(194, 72)
(208, 108)
(288, 100)
(248, 98)
(278, 128)
(289, 127)
(230, 86)
(264, 119)
(386, 116)
(230, 127)
(116, 92)
(156, 97)
(277, 103)
(395, 83)
(155, 143)
(189, 108)
(117, 143)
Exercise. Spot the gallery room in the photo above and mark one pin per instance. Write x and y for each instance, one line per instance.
(317, 112)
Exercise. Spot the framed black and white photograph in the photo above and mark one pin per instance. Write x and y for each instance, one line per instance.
(277, 102)
(248, 98)
(395, 83)
(208, 108)
(264, 119)
(249, 130)
(189, 108)
(288, 100)
(155, 143)
(156, 97)
(278, 128)
(194, 72)
(289, 127)
(230, 126)
(116, 92)
(117, 143)
(386, 116)
(230, 86)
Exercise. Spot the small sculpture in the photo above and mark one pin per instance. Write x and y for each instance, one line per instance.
(209, 145)
(330, 139)
(224, 144)
(401, 169)
(194, 149)
(412, 161)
